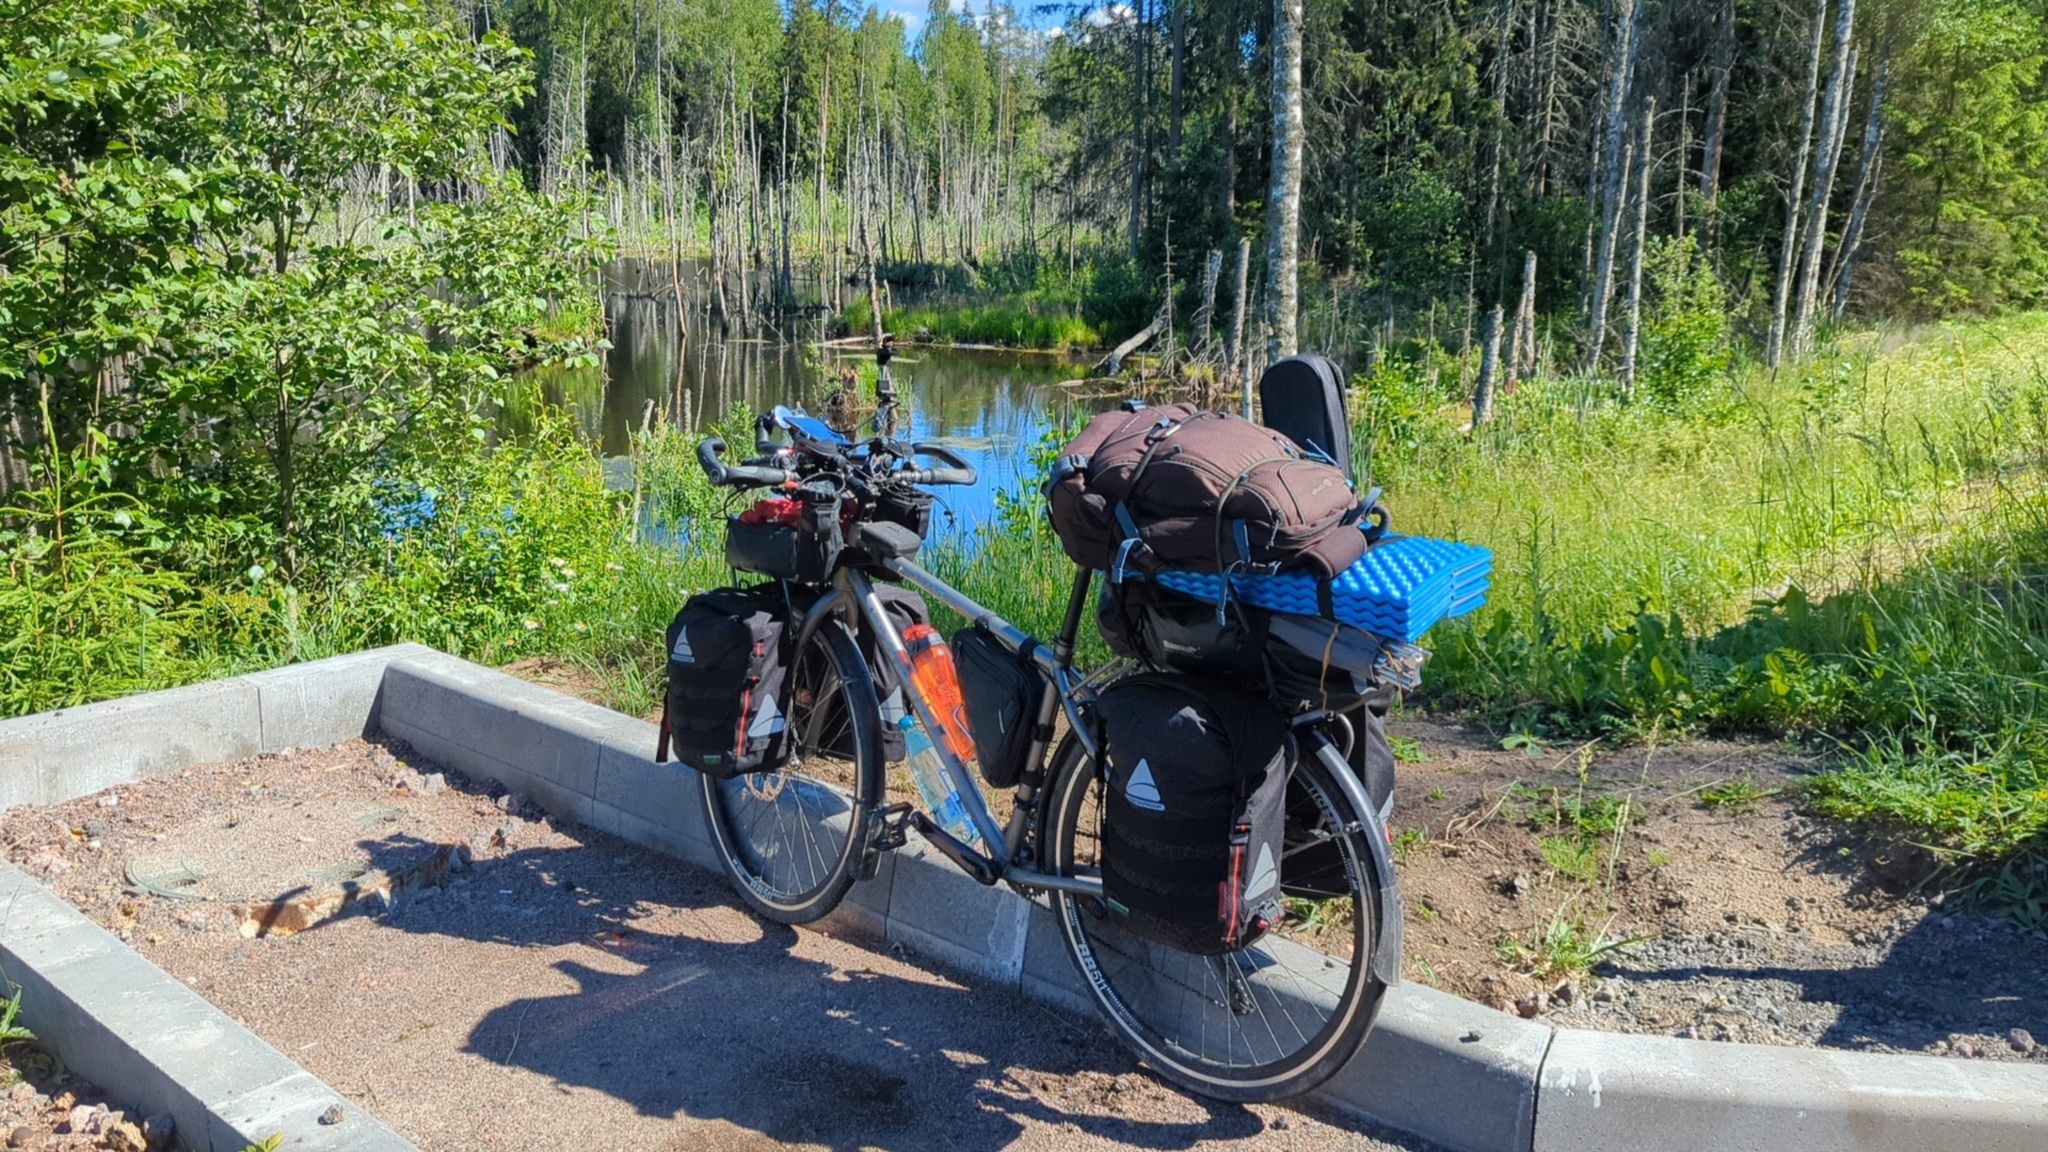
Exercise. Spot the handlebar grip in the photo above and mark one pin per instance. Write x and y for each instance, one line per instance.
(958, 471)
(743, 477)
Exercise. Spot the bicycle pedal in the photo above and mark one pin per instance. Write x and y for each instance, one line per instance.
(892, 829)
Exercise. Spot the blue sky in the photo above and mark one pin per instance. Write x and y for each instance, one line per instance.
(913, 11)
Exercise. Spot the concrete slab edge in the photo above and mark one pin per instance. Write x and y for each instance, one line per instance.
(124, 1024)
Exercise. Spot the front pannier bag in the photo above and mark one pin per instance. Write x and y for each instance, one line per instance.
(1176, 487)
(725, 710)
(1196, 788)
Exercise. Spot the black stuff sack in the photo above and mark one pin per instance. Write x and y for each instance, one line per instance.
(725, 710)
(1195, 810)
(1002, 689)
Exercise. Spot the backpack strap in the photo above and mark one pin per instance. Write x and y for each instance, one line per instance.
(661, 745)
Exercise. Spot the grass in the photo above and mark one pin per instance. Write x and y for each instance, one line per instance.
(1736, 795)
(1854, 550)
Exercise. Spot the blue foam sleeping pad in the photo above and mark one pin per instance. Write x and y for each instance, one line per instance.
(1398, 589)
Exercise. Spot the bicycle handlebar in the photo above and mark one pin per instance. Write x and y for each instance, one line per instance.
(958, 471)
(739, 476)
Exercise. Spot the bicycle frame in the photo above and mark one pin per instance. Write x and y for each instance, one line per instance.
(1060, 692)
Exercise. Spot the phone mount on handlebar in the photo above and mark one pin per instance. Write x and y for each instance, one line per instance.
(806, 432)
(885, 389)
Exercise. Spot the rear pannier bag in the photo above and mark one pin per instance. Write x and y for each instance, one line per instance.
(725, 710)
(1002, 690)
(1176, 487)
(1196, 787)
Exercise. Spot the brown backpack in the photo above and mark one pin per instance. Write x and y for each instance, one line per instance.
(1176, 487)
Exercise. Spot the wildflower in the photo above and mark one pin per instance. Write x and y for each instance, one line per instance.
(580, 627)
(559, 587)
(532, 625)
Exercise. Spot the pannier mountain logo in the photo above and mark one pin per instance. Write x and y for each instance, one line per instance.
(768, 722)
(1141, 791)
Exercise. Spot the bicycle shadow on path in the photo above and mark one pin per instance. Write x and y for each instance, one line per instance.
(755, 1035)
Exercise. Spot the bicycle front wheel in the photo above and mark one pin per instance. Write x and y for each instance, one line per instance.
(792, 841)
(1268, 1021)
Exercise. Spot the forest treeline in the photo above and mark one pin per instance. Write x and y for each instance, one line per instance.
(1817, 158)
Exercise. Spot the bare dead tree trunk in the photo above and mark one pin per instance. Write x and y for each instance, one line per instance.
(1868, 163)
(1522, 349)
(1717, 108)
(1634, 320)
(1137, 124)
(1617, 177)
(1834, 124)
(1788, 254)
(1236, 356)
(1489, 371)
(1205, 315)
(1283, 212)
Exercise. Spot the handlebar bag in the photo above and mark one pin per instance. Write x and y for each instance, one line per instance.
(805, 551)
(725, 710)
(1002, 690)
(1176, 487)
(1195, 810)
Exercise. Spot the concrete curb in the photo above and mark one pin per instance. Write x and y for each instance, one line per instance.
(1446, 1069)
(109, 1014)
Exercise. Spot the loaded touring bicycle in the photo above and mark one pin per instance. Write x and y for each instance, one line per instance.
(1205, 817)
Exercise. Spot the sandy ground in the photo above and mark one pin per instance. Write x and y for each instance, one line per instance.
(1760, 922)
(568, 990)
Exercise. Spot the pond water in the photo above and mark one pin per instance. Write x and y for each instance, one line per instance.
(989, 405)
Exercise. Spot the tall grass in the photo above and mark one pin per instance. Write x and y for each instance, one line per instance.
(1854, 547)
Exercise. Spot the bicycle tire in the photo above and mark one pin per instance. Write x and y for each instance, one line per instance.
(792, 841)
(1174, 1008)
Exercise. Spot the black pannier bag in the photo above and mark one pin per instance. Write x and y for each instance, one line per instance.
(1002, 690)
(725, 712)
(1196, 790)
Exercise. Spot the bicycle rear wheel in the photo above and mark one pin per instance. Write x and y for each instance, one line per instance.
(792, 841)
(1268, 1021)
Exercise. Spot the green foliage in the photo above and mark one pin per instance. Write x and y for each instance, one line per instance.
(1684, 351)
(1972, 122)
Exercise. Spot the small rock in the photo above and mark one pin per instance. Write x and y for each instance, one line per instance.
(160, 1128)
(21, 1136)
(1564, 993)
(122, 1136)
(1794, 903)
(63, 1102)
(1473, 1037)
(110, 801)
(2022, 1041)
(1120, 1084)
(1520, 885)
(97, 828)
(433, 783)
(1603, 995)
(511, 802)
(332, 1115)
(83, 1120)
(1964, 1048)
(1281, 1123)
(22, 1093)
(1531, 1006)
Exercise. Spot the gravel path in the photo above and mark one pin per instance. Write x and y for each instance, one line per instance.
(568, 990)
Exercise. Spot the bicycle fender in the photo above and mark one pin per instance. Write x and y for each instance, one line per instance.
(1386, 954)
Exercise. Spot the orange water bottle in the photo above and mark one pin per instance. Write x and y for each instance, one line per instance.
(931, 668)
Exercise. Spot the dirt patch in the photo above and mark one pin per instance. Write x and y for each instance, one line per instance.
(46, 1109)
(563, 989)
(1754, 920)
